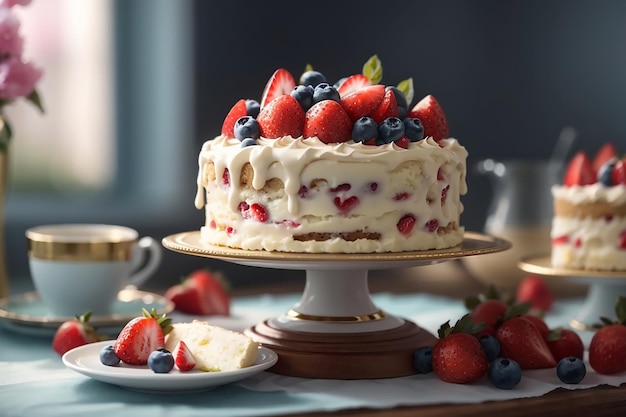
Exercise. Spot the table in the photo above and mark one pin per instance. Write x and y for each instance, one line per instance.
(56, 390)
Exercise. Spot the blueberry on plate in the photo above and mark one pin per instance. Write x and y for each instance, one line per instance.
(108, 356)
(504, 373)
(571, 370)
(161, 361)
(423, 360)
(491, 346)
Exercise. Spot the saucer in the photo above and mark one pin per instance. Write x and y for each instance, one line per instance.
(26, 313)
(86, 360)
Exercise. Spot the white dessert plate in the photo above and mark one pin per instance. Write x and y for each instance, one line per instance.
(86, 360)
(26, 313)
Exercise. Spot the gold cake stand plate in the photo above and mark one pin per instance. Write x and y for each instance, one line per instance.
(604, 288)
(336, 331)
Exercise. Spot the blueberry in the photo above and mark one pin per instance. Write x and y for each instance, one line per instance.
(304, 95)
(491, 346)
(423, 360)
(400, 97)
(312, 78)
(108, 356)
(571, 370)
(252, 108)
(413, 129)
(504, 373)
(364, 129)
(402, 113)
(390, 130)
(248, 142)
(605, 172)
(247, 127)
(161, 361)
(325, 91)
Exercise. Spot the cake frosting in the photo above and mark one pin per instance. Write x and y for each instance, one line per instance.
(589, 223)
(214, 348)
(321, 192)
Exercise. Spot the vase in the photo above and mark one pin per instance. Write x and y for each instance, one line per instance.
(4, 169)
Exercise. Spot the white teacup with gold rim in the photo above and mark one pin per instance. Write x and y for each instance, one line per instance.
(82, 267)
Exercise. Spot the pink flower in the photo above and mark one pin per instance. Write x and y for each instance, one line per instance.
(11, 3)
(11, 43)
(17, 78)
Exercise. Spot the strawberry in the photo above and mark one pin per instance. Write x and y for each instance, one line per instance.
(605, 153)
(490, 312)
(280, 83)
(201, 293)
(363, 102)
(432, 117)
(283, 116)
(607, 349)
(73, 333)
(618, 175)
(534, 289)
(237, 111)
(353, 83)
(521, 341)
(183, 358)
(388, 107)
(565, 342)
(539, 323)
(140, 337)
(328, 121)
(579, 171)
(457, 356)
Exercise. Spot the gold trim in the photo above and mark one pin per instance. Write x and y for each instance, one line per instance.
(542, 265)
(378, 315)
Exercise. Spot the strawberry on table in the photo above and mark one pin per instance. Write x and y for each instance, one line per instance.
(74, 333)
(202, 293)
(535, 290)
(488, 308)
(521, 341)
(564, 343)
(141, 336)
(579, 171)
(607, 349)
(432, 117)
(457, 356)
(280, 83)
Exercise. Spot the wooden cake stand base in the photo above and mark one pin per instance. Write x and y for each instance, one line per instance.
(369, 355)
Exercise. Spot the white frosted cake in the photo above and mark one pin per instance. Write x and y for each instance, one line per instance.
(589, 224)
(214, 348)
(304, 181)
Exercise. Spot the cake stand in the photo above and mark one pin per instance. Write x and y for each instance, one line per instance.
(604, 288)
(336, 331)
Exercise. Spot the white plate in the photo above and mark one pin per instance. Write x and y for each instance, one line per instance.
(86, 360)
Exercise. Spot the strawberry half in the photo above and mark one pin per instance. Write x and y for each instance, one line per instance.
(521, 341)
(283, 116)
(280, 83)
(353, 83)
(604, 154)
(388, 107)
(183, 358)
(579, 171)
(140, 337)
(201, 293)
(237, 111)
(74, 333)
(363, 102)
(328, 121)
(432, 117)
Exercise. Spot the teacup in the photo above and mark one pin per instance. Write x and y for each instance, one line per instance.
(82, 267)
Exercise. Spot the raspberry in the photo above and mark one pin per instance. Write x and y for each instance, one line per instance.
(431, 225)
(303, 192)
(243, 208)
(347, 204)
(230, 230)
(406, 224)
(372, 187)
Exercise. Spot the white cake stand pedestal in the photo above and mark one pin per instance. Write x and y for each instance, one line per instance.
(336, 331)
(604, 289)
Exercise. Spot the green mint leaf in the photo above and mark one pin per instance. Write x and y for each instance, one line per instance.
(406, 87)
(373, 69)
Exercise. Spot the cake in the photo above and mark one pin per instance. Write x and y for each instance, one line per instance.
(351, 167)
(213, 348)
(589, 223)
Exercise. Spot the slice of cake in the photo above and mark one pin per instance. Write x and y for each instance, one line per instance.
(347, 168)
(214, 348)
(589, 224)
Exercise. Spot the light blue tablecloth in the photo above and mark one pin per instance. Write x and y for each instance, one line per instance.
(34, 381)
